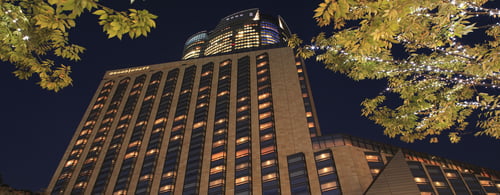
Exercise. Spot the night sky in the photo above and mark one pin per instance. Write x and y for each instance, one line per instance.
(37, 125)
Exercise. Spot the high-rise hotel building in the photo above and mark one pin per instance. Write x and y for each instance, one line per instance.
(236, 116)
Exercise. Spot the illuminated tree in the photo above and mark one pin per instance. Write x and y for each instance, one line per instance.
(426, 51)
(34, 33)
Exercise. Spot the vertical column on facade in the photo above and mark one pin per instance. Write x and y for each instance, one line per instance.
(297, 172)
(170, 166)
(243, 160)
(118, 136)
(157, 133)
(312, 120)
(138, 131)
(327, 174)
(101, 136)
(268, 152)
(81, 141)
(195, 153)
(217, 173)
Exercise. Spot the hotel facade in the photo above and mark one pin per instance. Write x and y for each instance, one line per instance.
(236, 116)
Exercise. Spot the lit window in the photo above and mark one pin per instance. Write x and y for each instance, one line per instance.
(242, 166)
(242, 153)
(141, 123)
(223, 93)
(166, 188)
(451, 175)
(81, 141)
(426, 193)
(261, 64)
(225, 63)
(242, 140)
(220, 131)
(264, 96)
(130, 155)
(262, 71)
(128, 116)
(299, 69)
(136, 143)
(202, 96)
(70, 163)
(201, 105)
(267, 150)
(122, 126)
(90, 160)
(218, 156)
(89, 123)
(264, 105)
(97, 106)
(375, 171)
(322, 157)
(220, 121)
(199, 124)
(373, 158)
(206, 73)
(149, 97)
(243, 108)
(65, 175)
(181, 117)
(310, 125)
(264, 115)
(266, 125)
(178, 127)
(168, 175)
(242, 180)
(262, 79)
(135, 92)
(325, 171)
(242, 118)
(218, 143)
(81, 184)
(176, 137)
(146, 177)
(328, 186)
(439, 183)
(74, 152)
(186, 91)
(266, 137)
(268, 163)
(298, 63)
(157, 130)
(217, 169)
(216, 183)
(486, 183)
(85, 132)
(103, 129)
(243, 99)
(420, 180)
(98, 139)
(304, 95)
(308, 114)
(152, 151)
(269, 177)
(204, 88)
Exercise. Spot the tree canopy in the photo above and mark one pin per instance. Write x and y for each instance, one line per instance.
(440, 58)
(35, 35)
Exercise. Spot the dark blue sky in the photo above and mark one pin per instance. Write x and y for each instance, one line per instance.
(37, 125)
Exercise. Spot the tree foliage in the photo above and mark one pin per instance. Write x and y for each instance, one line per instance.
(430, 55)
(35, 33)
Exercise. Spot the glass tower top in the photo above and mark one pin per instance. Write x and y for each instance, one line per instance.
(238, 32)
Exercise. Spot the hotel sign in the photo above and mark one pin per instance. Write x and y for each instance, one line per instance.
(129, 70)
